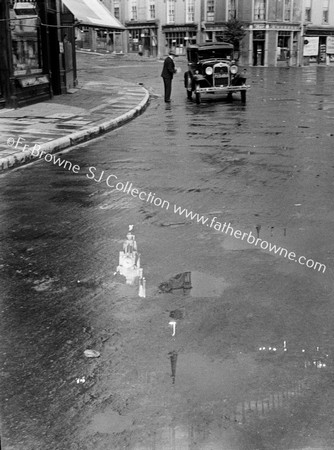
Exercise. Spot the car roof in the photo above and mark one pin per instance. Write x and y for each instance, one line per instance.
(211, 46)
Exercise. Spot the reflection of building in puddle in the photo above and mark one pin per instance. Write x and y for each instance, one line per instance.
(316, 359)
(264, 406)
(203, 435)
(129, 263)
(169, 438)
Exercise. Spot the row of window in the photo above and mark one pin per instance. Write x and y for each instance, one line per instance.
(260, 10)
(308, 10)
(259, 13)
(133, 10)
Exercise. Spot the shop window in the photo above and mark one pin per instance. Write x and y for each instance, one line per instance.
(287, 10)
(210, 10)
(170, 11)
(190, 11)
(176, 39)
(232, 9)
(134, 40)
(26, 45)
(308, 10)
(179, 40)
(325, 6)
(208, 36)
(260, 10)
(283, 45)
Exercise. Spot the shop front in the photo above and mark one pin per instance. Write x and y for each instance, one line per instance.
(318, 46)
(37, 46)
(213, 32)
(143, 37)
(29, 34)
(178, 37)
(23, 75)
(273, 44)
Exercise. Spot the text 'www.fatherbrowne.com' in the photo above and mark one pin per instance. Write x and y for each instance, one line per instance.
(249, 238)
(127, 188)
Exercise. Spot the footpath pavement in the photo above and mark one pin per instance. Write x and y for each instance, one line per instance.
(101, 103)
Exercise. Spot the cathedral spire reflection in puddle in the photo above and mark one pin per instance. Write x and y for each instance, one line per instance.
(129, 263)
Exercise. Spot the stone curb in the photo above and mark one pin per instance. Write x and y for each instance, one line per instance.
(21, 158)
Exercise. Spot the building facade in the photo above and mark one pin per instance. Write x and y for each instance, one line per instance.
(214, 16)
(180, 25)
(273, 27)
(318, 31)
(103, 39)
(275, 30)
(30, 33)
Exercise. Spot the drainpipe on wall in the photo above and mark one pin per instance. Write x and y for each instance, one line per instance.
(250, 51)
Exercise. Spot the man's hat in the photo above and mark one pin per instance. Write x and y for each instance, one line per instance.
(171, 52)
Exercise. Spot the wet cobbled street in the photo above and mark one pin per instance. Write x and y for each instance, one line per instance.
(231, 348)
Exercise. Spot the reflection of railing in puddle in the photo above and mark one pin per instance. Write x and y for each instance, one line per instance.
(129, 263)
(308, 358)
(173, 437)
(264, 406)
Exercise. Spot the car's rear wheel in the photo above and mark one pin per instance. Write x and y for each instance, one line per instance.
(243, 96)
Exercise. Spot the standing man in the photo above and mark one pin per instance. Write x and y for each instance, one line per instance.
(167, 74)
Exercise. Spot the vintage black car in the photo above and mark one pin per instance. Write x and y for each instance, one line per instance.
(211, 68)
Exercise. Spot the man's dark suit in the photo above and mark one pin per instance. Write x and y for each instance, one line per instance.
(167, 75)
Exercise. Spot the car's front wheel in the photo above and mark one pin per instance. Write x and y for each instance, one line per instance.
(189, 87)
(198, 95)
(243, 96)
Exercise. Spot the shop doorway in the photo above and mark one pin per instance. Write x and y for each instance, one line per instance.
(322, 50)
(258, 53)
(258, 48)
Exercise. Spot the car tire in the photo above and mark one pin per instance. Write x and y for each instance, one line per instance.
(243, 96)
(230, 97)
(189, 88)
(198, 96)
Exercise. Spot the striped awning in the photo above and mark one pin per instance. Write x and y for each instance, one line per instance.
(92, 13)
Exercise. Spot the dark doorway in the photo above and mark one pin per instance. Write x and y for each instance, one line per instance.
(258, 48)
(322, 50)
(258, 53)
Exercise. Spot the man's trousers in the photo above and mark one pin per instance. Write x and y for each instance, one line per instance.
(168, 88)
